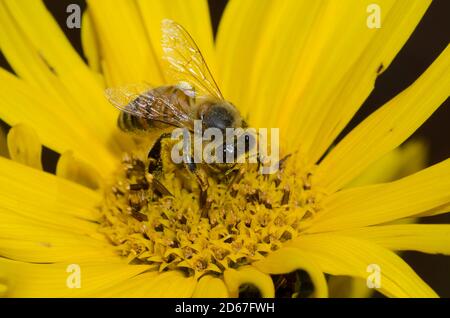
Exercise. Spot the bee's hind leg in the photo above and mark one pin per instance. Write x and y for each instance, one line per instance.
(160, 188)
(202, 180)
(155, 166)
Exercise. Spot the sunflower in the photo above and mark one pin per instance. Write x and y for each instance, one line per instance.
(332, 212)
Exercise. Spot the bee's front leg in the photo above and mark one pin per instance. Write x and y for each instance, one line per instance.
(202, 180)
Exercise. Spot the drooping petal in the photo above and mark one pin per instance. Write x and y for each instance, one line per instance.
(72, 168)
(24, 146)
(388, 127)
(348, 287)
(381, 203)
(210, 287)
(248, 275)
(287, 260)
(396, 164)
(340, 255)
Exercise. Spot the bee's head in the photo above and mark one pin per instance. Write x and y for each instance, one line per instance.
(221, 115)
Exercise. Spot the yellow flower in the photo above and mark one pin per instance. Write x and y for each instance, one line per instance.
(303, 66)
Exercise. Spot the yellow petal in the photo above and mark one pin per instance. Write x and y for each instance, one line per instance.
(16, 212)
(3, 289)
(171, 284)
(177, 286)
(51, 251)
(388, 127)
(348, 74)
(445, 208)
(248, 275)
(36, 36)
(55, 280)
(43, 197)
(340, 255)
(252, 40)
(3, 144)
(348, 287)
(22, 103)
(32, 239)
(193, 15)
(24, 146)
(125, 47)
(400, 162)
(210, 287)
(72, 168)
(89, 41)
(427, 238)
(287, 260)
(243, 37)
(23, 57)
(381, 203)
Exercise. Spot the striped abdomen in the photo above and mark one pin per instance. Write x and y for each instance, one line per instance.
(131, 123)
(160, 107)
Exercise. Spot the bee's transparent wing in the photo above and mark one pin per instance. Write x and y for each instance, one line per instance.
(122, 98)
(141, 100)
(186, 61)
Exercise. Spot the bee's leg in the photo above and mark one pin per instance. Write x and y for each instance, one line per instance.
(155, 166)
(154, 155)
(283, 160)
(258, 159)
(158, 186)
(202, 180)
(236, 179)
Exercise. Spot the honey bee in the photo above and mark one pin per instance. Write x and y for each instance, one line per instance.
(195, 96)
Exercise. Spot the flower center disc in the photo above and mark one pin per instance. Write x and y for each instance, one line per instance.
(246, 219)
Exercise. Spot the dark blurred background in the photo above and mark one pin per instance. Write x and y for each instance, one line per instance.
(431, 36)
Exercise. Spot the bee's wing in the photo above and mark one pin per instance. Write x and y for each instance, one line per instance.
(141, 100)
(186, 61)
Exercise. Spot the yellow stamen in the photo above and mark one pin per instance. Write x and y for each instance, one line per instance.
(245, 220)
